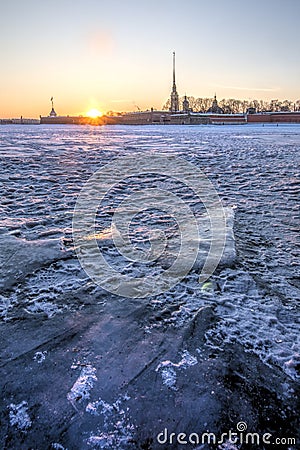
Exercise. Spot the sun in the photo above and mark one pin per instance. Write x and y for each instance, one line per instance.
(94, 113)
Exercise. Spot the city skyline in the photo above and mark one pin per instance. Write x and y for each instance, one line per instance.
(118, 56)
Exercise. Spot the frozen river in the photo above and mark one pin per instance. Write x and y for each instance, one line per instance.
(254, 169)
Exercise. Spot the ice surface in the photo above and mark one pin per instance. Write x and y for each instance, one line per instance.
(255, 171)
(253, 296)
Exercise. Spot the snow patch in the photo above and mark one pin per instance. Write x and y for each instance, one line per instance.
(56, 446)
(19, 417)
(117, 429)
(40, 357)
(168, 372)
(5, 306)
(50, 309)
(83, 385)
(228, 446)
(169, 377)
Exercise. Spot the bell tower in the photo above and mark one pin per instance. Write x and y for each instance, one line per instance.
(185, 105)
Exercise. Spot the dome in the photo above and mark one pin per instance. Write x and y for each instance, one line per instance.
(215, 108)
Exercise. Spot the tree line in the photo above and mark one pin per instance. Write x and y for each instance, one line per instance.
(234, 106)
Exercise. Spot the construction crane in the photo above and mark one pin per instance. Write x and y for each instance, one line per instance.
(136, 106)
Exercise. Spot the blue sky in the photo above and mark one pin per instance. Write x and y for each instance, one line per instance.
(114, 54)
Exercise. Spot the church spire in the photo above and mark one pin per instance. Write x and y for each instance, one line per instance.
(52, 113)
(174, 94)
(174, 83)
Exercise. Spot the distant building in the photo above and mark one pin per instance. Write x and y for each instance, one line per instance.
(186, 105)
(215, 108)
(174, 94)
(251, 110)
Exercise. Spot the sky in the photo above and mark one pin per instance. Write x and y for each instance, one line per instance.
(117, 54)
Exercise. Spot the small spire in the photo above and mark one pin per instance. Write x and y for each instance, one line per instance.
(52, 113)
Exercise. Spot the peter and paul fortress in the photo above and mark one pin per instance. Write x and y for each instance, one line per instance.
(175, 116)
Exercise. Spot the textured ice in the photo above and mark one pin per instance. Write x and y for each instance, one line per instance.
(118, 439)
(256, 172)
(228, 446)
(100, 407)
(19, 417)
(48, 308)
(169, 377)
(254, 320)
(40, 357)
(5, 306)
(45, 291)
(168, 372)
(117, 431)
(81, 388)
(19, 257)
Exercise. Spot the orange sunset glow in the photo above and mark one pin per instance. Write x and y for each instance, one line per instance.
(94, 113)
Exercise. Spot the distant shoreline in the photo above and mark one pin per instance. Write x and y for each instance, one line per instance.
(152, 117)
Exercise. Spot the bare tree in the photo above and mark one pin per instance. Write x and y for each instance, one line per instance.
(287, 105)
(234, 106)
(167, 105)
